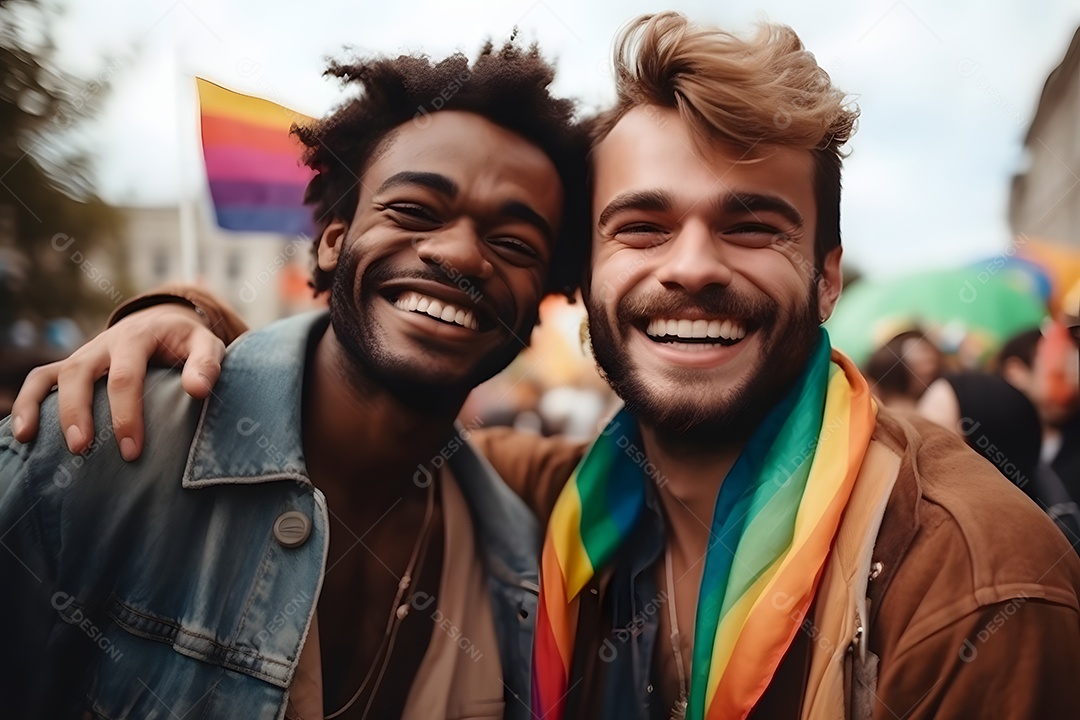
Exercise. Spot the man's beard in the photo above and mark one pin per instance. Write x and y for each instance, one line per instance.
(787, 338)
(366, 347)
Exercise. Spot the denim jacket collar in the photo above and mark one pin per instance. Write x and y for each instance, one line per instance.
(256, 403)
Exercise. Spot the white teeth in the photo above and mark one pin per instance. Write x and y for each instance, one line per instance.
(415, 302)
(696, 329)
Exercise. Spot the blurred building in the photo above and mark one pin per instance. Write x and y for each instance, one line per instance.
(1045, 197)
(263, 276)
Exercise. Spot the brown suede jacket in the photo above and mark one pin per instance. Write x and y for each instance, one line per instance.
(974, 597)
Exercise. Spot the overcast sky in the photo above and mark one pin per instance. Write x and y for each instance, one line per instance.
(946, 89)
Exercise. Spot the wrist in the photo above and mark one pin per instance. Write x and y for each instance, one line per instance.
(157, 300)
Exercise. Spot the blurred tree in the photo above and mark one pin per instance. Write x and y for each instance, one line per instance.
(60, 252)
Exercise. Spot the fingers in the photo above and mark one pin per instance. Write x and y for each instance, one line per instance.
(75, 397)
(126, 382)
(203, 365)
(163, 332)
(26, 411)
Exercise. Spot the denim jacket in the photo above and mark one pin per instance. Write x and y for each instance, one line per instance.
(159, 588)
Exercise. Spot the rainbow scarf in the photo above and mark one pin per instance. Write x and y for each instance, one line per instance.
(776, 514)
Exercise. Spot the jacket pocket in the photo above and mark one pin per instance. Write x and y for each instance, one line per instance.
(197, 644)
(154, 674)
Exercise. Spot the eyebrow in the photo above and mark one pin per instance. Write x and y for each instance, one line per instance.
(754, 203)
(432, 181)
(523, 212)
(649, 200)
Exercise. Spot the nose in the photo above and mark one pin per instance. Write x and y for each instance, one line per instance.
(457, 250)
(693, 260)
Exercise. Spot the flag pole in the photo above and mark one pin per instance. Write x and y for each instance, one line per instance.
(189, 245)
(189, 242)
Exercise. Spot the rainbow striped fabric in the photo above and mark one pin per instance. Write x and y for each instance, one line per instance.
(777, 513)
(252, 162)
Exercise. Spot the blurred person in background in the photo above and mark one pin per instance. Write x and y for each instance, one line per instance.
(1057, 376)
(995, 419)
(1016, 363)
(903, 368)
(1043, 364)
(1001, 423)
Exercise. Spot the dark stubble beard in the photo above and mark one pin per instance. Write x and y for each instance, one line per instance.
(365, 344)
(787, 339)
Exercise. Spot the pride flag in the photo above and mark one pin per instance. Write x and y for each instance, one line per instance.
(252, 162)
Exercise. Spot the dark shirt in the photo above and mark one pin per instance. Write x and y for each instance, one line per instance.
(1001, 424)
(1067, 461)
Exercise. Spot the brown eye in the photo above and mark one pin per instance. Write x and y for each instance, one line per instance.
(755, 235)
(513, 246)
(413, 213)
(640, 235)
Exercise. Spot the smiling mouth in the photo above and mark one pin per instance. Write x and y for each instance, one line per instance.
(440, 310)
(696, 334)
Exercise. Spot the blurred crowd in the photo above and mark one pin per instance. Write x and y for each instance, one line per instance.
(1019, 408)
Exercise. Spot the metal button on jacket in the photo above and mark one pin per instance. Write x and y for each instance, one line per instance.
(291, 529)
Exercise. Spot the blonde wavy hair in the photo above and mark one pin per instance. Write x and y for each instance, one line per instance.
(766, 89)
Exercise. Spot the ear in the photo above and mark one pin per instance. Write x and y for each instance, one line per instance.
(830, 280)
(1017, 374)
(330, 245)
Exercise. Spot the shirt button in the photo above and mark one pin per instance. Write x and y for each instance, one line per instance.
(291, 529)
